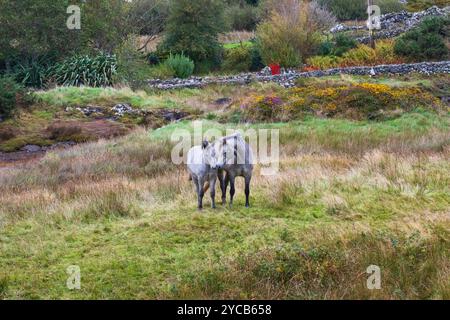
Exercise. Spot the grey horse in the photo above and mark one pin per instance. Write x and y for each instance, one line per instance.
(237, 162)
(202, 163)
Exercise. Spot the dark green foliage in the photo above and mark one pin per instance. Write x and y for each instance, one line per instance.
(34, 73)
(192, 29)
(9, 90)
(242, 17)
(153, 58)
(257, 62)
(426, 42)
(338, 46)
(85, 70)
(182, 66)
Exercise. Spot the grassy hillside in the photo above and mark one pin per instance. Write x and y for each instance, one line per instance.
(349, 194)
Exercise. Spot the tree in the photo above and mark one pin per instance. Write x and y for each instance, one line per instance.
(193, 27)
(32, 29)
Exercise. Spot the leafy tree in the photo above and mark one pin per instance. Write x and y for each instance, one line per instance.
(192, 29)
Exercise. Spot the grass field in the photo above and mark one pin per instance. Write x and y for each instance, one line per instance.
(349, 194)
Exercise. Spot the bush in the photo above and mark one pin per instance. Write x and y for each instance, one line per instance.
(340, 45)
(9, 91)
(292, 32)
(359, 56)
(85, 70)
(238, 59)
(425, 42)
(182, 66)
(257, 62)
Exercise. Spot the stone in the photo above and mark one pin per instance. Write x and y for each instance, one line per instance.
(31, 148)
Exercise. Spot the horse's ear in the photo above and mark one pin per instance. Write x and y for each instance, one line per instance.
(205, 144)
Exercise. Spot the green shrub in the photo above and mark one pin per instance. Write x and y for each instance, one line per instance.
(338, 46)
(85, 70)
(238, 59)
(9, 90)
(425, 42)
(182, 66)
(256, 58)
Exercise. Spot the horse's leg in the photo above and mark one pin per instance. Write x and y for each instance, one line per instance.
(212, 183)
(232, 189)
(201, 193)
(247, 190)
(223, 187)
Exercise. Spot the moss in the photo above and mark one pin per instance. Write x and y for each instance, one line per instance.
(18, 142)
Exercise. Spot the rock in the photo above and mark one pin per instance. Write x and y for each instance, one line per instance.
(31, 148)
(121, 109)
(223, 101)
(90, 110)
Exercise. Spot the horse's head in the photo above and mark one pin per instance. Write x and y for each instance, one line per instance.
(211, 155)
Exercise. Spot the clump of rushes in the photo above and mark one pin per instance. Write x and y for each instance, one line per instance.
(182, 66)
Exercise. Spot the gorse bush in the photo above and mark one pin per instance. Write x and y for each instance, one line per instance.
(85, 70)
(426, 42)
(182, 66)
(363, 101)
(9, 91)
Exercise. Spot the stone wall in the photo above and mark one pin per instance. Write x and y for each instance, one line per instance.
(288, 78)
